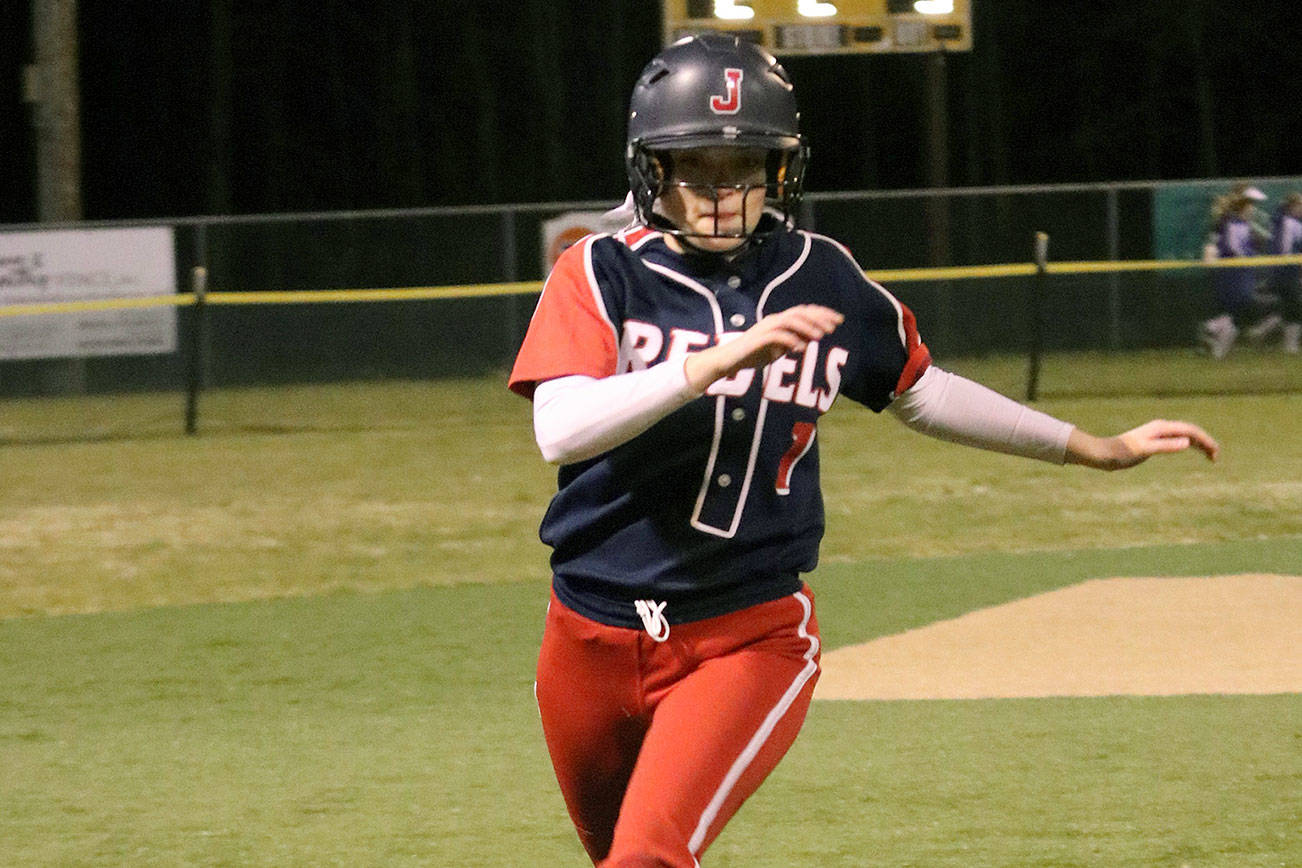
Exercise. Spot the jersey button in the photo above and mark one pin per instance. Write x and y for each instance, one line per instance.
(734, 281)
(738, 319)
(724, 480)
(738, 413)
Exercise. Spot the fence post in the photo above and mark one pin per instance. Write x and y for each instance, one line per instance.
(510, 274)
(1038, 289)
(1114, 280)
(198, 347)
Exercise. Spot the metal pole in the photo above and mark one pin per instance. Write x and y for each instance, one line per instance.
(1038, 287)
(1114, 279)
(510, 273)
(510, 268)
(198, 345)
(937, 166)
(937, 159)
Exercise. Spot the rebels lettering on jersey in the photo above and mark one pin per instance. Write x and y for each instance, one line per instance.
(718, 505)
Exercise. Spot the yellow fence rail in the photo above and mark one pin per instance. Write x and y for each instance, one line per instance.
(532, 287)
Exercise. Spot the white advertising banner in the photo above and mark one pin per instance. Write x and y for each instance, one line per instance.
(44, 267)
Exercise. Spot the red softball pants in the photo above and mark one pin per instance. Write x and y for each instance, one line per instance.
(657, 744)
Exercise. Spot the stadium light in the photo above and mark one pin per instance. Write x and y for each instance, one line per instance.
(789, 27)
(922, 7)
(732, 10)
(815, 9)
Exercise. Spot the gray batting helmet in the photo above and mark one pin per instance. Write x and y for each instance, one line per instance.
(714, 90)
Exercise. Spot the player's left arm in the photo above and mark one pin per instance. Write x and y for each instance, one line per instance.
(1138, 444)
(953, 408)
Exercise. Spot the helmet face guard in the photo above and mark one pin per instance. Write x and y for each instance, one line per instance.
(651, 177)
(713, 90)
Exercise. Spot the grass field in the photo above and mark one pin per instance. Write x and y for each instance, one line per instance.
(310, 640)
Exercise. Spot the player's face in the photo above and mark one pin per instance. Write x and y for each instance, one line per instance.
(716, 191)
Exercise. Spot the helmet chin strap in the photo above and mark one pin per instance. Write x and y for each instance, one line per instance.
(743, 244)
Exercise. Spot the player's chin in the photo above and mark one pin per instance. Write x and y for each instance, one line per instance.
(722, 240)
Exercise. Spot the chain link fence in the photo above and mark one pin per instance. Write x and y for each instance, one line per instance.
(278, 343)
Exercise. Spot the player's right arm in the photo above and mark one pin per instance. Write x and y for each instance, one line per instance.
(568, 366)
(571, 331)
(774, 336)
(576, 418)
(579, 417)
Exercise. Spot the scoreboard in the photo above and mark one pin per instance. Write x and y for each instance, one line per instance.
(828, 26)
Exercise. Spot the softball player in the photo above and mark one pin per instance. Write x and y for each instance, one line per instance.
(678, 370)
(1286, 239)
(1241, 308)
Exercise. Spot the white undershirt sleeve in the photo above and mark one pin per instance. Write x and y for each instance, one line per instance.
(576, 418)
(953, 408)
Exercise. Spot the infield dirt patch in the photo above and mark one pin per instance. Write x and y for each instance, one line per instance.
(1140, 636)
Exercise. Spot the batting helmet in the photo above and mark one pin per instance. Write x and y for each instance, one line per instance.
(714, 90)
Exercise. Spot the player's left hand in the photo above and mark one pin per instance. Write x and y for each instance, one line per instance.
(1139, 444)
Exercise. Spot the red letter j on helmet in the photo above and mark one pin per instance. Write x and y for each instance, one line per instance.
(730, 102)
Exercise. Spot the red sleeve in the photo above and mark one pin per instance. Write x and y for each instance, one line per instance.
(918, 356)
(570, 332)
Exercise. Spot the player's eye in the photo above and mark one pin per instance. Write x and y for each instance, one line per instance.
(726, 167)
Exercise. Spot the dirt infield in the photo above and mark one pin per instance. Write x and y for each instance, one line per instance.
(1118, 636)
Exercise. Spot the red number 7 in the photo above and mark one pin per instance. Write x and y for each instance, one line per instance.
(802, 437)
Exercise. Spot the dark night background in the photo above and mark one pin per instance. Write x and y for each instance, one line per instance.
(251, 106)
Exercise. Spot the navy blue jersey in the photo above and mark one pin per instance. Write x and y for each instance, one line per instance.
(718, 505)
